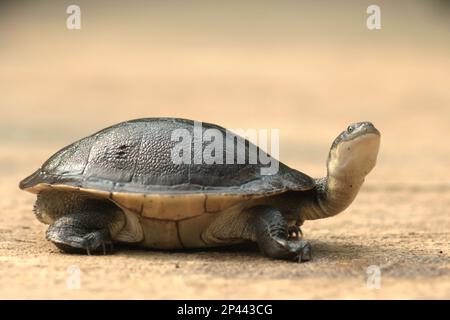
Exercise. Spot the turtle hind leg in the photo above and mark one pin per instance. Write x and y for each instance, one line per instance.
(83, 232)
(270, 231)
(88, 228)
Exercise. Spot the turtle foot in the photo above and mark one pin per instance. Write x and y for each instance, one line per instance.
(98, 241)
(275, 239)
(74, 238)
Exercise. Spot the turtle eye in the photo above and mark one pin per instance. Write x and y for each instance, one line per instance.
(350, 129)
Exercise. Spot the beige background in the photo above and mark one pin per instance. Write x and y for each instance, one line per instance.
(306, 68)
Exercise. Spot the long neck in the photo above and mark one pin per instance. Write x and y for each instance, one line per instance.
(332, 195)
(349, 161)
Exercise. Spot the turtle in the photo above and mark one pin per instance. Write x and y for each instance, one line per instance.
(123, 184)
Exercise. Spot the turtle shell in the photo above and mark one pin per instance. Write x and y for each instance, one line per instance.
(131, 164)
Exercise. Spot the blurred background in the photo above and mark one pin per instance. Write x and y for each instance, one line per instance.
(307, 68)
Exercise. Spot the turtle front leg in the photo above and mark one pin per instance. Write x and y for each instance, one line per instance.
(271, 234)
(84, 231)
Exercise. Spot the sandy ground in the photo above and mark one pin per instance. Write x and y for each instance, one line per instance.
(403, 232)
(309, 82)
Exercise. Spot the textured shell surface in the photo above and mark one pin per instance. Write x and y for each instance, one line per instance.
(135, 157)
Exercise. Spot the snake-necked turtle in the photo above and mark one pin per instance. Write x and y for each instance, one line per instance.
(122, 184)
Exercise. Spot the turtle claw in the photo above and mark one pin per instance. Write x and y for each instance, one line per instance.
(97, 241)
(104, 249)
(305, 253)
(295, 232)
(301, 250)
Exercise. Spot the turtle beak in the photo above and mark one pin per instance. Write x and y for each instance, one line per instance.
(368, 127)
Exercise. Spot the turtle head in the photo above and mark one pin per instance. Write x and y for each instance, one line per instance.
(353, 153)
(352, 156)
